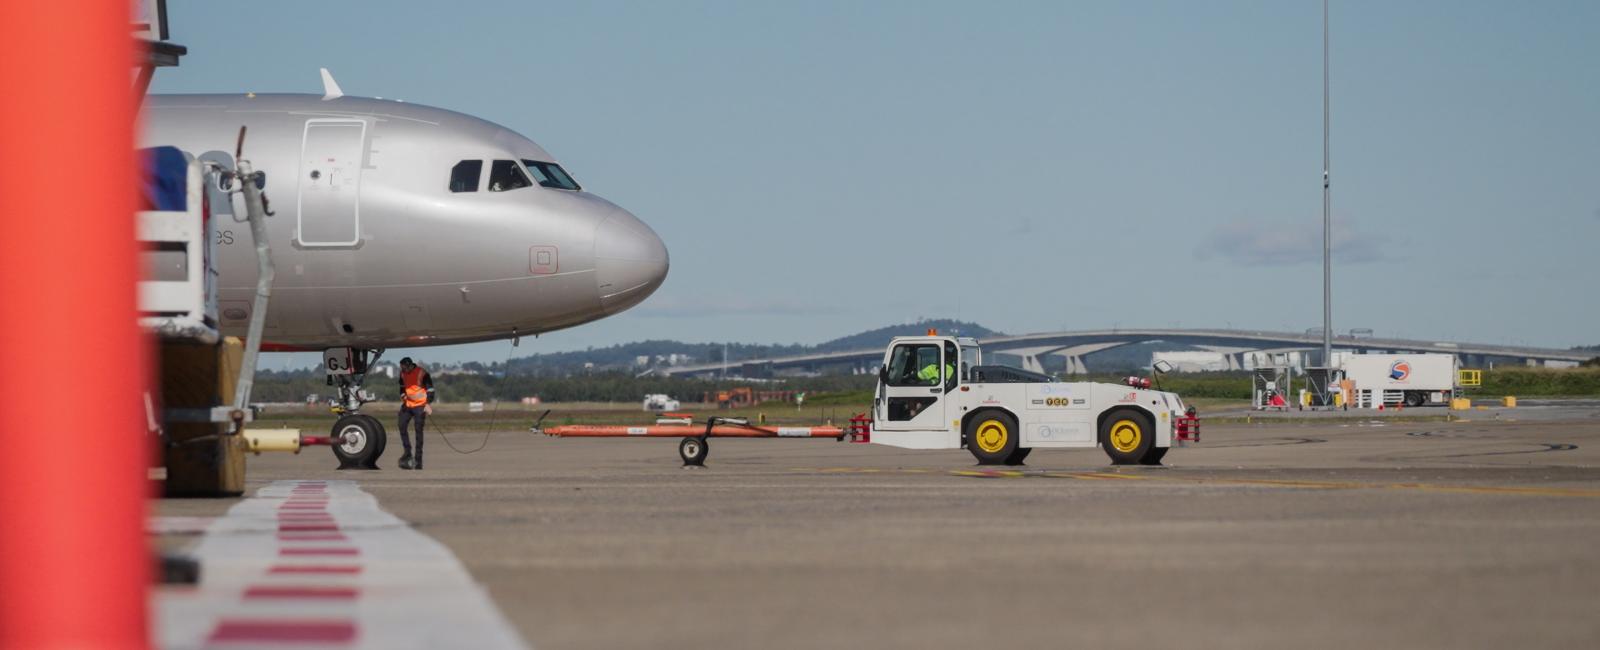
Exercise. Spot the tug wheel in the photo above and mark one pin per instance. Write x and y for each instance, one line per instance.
(693, 451)
(1019, 455)
(1126, 437)
(356, 442)
(992, 437)
(1155, 456)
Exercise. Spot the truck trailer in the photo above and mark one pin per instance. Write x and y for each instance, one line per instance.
(1399, 379)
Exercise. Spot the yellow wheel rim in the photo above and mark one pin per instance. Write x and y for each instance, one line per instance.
(992, 436)
(1125, 435)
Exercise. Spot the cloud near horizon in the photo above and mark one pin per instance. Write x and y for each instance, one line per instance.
(1258, 243)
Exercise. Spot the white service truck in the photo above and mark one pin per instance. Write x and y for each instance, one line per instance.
(935, 393)
(658, 403)
(1395, 379)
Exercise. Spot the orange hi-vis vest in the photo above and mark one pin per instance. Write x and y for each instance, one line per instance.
(416, 395)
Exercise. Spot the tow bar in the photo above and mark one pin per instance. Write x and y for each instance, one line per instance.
(694, 447)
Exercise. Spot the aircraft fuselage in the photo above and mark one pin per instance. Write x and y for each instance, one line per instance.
(383, 236)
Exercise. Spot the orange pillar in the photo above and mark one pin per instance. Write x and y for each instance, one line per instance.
(74, 567)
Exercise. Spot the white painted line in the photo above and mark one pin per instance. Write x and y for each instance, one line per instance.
(357, 578)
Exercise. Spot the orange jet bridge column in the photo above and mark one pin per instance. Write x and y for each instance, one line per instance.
(74, 565)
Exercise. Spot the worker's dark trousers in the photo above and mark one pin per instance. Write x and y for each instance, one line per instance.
(406, 415)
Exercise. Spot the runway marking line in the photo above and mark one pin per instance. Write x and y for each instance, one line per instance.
(314, 592)
(318, 551)
(349, 575)
(282, 631)
(315, 569)
(312, 537)
(1284, 483)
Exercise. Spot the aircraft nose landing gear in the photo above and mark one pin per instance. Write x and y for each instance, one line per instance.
(358, 440)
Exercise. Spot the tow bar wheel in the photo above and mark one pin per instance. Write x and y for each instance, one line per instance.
(992, 438)
(1126, 437)
(358, 440)
(693, 451)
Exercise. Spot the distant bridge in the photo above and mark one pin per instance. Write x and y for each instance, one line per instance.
(1073, 346)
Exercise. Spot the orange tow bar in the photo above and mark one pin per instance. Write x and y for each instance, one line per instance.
(694, 448)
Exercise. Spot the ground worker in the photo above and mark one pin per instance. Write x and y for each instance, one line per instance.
(930, 373)
(416, 393)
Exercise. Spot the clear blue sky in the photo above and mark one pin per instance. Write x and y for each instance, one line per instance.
(819, 168)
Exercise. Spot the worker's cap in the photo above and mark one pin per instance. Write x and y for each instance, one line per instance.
(407, 362)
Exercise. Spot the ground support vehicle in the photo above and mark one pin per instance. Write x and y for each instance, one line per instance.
(935, 393)
(1400, 379)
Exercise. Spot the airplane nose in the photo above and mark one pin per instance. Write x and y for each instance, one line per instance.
(630, 261)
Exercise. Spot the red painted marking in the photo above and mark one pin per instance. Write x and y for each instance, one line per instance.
(304, 516)
(302, 505)
(283, 630)
(320, 550)
(312, 537)
(306, 592)
(306, 528)
(316, 569)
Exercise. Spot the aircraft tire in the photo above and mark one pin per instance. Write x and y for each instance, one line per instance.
(361, 449)
(992, 437)
(381, 437)
(1126, 437)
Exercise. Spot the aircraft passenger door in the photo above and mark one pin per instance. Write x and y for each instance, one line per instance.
(330, 182)
(913, 389)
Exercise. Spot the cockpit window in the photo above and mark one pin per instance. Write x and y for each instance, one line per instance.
(551, 175)
(506, 175)
(464, 176)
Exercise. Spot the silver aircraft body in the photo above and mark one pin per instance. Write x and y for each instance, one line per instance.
(397, 225)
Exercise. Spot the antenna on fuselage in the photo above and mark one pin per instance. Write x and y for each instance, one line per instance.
(330, 88)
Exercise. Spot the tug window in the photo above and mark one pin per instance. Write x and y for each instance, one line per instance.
(506, 175)
(908, 363)
(551, 175)
(464, 176)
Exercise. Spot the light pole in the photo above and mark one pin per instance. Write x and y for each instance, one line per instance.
(1327, 203)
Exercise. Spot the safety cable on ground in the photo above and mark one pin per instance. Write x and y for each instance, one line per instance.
(494, 416)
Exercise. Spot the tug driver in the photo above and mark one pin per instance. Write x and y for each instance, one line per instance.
(416, 391)
(930, 373)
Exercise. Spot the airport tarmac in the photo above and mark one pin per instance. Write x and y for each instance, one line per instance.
(1348, 533)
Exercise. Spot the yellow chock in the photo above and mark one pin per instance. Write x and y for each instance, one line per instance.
(1509, 401)
(1460, 404)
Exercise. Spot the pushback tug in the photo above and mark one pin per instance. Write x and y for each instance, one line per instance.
(934, 392)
